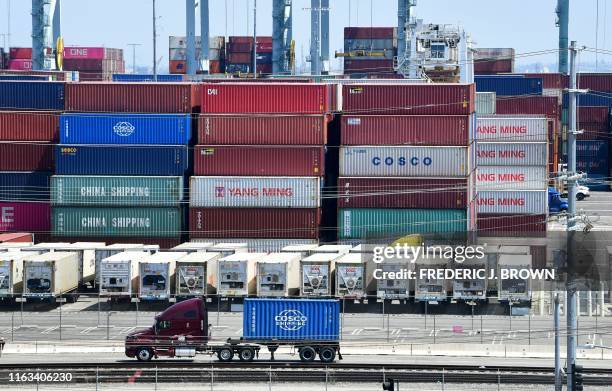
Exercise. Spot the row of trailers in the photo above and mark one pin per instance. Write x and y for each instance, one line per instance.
(47, 271)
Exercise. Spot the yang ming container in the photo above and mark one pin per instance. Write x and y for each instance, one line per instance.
(116, 190)
(262, 129)
(405, 161)
(533, 202)
(291, 320)
(316, 274)
(24, 186)
(511, 129)
(511, 154)
(147, 129)
(107, 222)
(253, 160)
(50, 275)
(192, 274)
(278, 275)
(11, 274)
(236, 274)
(29, 126)
(121, 160)
(25, 216)
(132, 97)
(512, 178)
(26, 157)
(119, 274)
(31, 95)
(255, 192)
(157, 274)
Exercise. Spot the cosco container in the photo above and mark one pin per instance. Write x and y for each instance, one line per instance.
(392, 223)
(316, 274)
(406, 130)
(132, 97)
(24, 186)
(31, 95)
(277, 98)
(511, 154)
(191, 274)
(236, 274)
(262, 245)
(405, 161)
(119, 274)
(291, 320)
(512, 178)
(426, 193)
(25, 216)
(157, 275)
(86, 128)
(352, 276)
(253, 160)
(132, 222)
(121, 160)
(278, 275)
(262, 129)
(511, 225)
(255, 192)
(513, 289)
(11, 273)
(50, 275)
(116, 190)
(509, 85)
(29, 126)
(26, 157)
(408, 99)
(254, 223)
(511, 129)
(533, 202)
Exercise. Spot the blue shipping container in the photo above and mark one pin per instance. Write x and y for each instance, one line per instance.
(592, 156)
(121, 160)
(157, 129)
(509, 85)
(600, 99)
(291, 320)
(24, 186)
(597, 182)
(32, 95)
(24, 78)
(135, 78)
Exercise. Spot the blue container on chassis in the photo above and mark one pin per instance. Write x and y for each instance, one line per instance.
(291, 320)
(136, 78)
(509, 85)
(32, 95)
(157, 129)
(24, 186)
(150, 160)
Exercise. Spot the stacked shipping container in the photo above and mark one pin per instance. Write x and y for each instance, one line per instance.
(19, 59)
(369, 51)
(240, 51)
(94, 63)
(490, 61)
(178, 54)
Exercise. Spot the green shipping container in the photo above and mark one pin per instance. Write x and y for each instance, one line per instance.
(115, 222)
(116, 190)
(391, 223)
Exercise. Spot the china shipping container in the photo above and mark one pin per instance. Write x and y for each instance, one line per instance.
(514, 289)
(471, 289)
(24, 186)
(255, 192)
(156, 275)
(50, 275)
(192, 274)
(316, 274)
(16, 238)
(132, 97)
(405, 130)
(148, 129)
(351, 276)
(29, 126)
(511, 154)
(512, 178)
(405, 161)
(408, 99)
(425, 193)
(26, 157)
(121, 160)
(254, 223)
(253, 160)
(116, 190)
(392, 288)
(485, 103)
(533, 105)
(107, 222)
(508, 85)
(511, 128)
(31, 95)
(119, 274)
(25, 216)
(236, 274)
(262, 129)
(11, 274)
(291, 320)
(260, 98)
(277, 275)
(534, 202)
(426, 287)
(263, 245)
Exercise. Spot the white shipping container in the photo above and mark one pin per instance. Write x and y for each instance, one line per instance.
(486, 103)
(352, 279)
(469, 289)
(493, 53)
(180, 42)
(316, 273)
(506, 128)
(305, 249)
(192, 274)
(49, 275)
(255, 192)
(11, 246)
(156, 275)
(511, 154)
(278, 275)
(181, 54)
(393, 288)
(513, 202)
(119, 274)
(11, 273)
(511, 178)
(514, 289)
(401, 161)
(427, 287)
(236, 274)
(334, 249)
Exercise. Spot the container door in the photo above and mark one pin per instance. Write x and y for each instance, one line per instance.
(272, 279)
(350, 280)
(191, 279)
(430, 289)
(233, 278)
(315, 279)
(5, 278)
(514, 288)
(154, 283)
(392, 288)
(115, 278)
(39, 280)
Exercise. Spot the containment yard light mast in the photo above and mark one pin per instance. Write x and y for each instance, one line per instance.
(282, 36)
(46, 29)
(406, 38)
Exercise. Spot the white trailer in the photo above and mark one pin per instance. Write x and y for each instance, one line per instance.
(192, 274)
(50, 275)
(278, 276)
(316, 274)
(396, 287)
(305, 250)
(118, 248)
(333, 249)
(351, 277)
(119, 274)
(492, 253)
(513, 289)
(11, 273)
(227, 249)
(156, 275)
(191, 247)
(427, 287)
(236, 274)
(472, 288)
(14, 246)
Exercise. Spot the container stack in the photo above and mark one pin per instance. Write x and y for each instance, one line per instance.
(94, 63)
(406, 161)
(121, 162)
(178, 54)
(369, 51)
(491, 61)
(240, 55)
(19, 59)
(259, 162)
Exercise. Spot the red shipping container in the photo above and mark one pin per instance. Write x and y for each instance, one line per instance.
(214, 67)
(264, 47)
(240, 48)
(595, 81)
(262, 130)
(551, 80)
(25, 216)
(369, 32)
(409, 99)
(405, 130)
(26, 157)
(254, 223)
(281, 98)
(17, 237)
(416, 193)
(29, 126)
(543, 105)
(593, 131)
(84, 65)
(243, 39)
(365, 66)
(178, 66)
(20, 53)
(254, 160)
(132, 97)
(264, 69)
(491, 67)
(511, 225)
(594, 114)
(240, 58)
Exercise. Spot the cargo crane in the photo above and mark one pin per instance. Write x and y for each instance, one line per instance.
(46, 31)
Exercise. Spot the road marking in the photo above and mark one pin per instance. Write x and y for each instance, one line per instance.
(88, 330)
(49, 330)
(238, 332)
(357, 331)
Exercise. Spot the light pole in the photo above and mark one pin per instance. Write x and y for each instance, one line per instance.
(134, 46)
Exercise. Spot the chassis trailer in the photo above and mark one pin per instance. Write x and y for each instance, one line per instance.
(312, 327)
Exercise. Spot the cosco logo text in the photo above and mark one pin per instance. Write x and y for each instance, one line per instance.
(213, 91)
(290, 320)
(401, 161)
(69, 150)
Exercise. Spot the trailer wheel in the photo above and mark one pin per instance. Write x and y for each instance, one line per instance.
(246, 354)
(225, 354)
(327, 354)
(144, 354)
(307, 354)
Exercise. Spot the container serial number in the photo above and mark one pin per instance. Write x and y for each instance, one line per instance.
(40, 377)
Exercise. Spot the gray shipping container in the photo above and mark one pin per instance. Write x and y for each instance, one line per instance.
(49, 275)
(486, 103)
(192, 274)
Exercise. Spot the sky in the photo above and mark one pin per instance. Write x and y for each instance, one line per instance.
(526, 25)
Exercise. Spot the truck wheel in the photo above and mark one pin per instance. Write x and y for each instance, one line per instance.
(580, 196)
(327, 354)
(246, 354)
(144, 354)
(225, 354)
(307, 354)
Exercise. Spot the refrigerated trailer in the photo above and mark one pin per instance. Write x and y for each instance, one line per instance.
(393, 288)
(118, 248)
(192, 274)
(227, 249)
(11, 274)
(316, 274)
(190, 247)
(236, 274)
(156, 275)
(305, 250)
(50, 275)
(14, 246)
(427, 287)
(351, 277)
(471, 288)
(278, 276)
(119, 274)
(333, 249)
(513, 289)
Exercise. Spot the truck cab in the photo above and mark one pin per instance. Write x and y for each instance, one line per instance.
(556, 203)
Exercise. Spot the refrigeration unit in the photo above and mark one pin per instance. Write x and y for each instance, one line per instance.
(351, 277)
(513, 289)
(156, 275)
(316, 273)
(50, 275)
(192, 273)
(11, 274)
(119, 274)
(427, 287)
(278, 276)
(471, 289)
(393, 288)
(236, 274)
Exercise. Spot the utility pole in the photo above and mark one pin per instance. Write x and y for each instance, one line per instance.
(255, 39)
(563, 24)
(154, 43)
(191, 44)
(8, 24)
(558, 376)
(134, 45)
